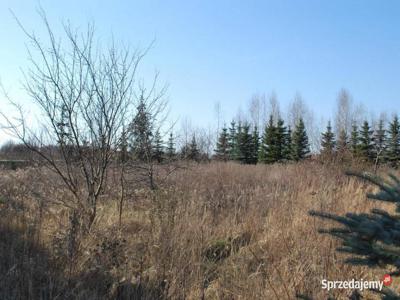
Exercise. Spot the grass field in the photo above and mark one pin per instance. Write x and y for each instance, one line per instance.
(211, 231)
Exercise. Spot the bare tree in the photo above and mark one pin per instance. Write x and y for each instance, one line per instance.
(218, 115)
(298, 109)
(84, 93)
(359, 114)
(255, 110)
(344, 112)
(274, 108)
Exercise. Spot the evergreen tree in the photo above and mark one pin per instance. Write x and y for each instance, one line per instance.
(355, 142)
(288, 149)
(238, 148)
(158, 148)
(371, 239)
(256, 145)
(245, 144)
(268, 151)
(63, 127)
(393, 144)
(301, 148)
(222, 151)
(193, 151)
(379, 142)
(232, 141)
(262, 148)
(280, 140)
(171, 152)
(141, 131)
(366, 146)
(328, 141)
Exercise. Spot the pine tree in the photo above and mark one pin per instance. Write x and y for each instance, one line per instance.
(288, 149)
(237, 150)
(63, 127)
(366, 146)
(355, 142)
(379, 142)
(171, 152)
(262, 148)
(245, 144)
(222, 151)
(371, 239)
(268, 145)
(328, 142)
(280, 140)
(301, 148)
(393, 144)
(158, 148)
(232, 141)
(256, 146)
(141, 131)
(193, 151)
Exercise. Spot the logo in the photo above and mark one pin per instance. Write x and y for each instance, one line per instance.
(354, 284)
(387, 280)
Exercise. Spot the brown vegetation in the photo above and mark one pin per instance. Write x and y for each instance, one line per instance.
(211, 231)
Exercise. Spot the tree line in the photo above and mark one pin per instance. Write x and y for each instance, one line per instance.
(277, 143)
(379, 145)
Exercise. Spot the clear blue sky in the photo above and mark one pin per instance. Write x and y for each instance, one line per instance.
(225, 51)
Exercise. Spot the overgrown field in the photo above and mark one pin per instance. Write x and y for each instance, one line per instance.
(210, 231)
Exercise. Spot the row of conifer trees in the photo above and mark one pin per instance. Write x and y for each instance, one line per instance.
(380, 145)
(279, 143)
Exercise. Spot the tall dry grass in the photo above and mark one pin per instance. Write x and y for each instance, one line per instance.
(211, 231)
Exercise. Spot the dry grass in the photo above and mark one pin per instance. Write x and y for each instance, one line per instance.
(217, 231)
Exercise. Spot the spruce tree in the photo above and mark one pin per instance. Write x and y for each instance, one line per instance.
(371, 239)
(393, 144)
(193, 151)
(379, 142)
(245, 144)
(366, 146)
(232, 141)
(262, 148)
(238, 147)
(256, 145)
(328, 142)
(170, 151)
(268, 148)
(63, 127)
(280, 140)
(158, 147)
(301, 147)
(141, 132)
(288, 149)
(222, 151)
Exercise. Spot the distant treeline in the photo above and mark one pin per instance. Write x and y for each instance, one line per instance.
(244, 143)
(279, 143)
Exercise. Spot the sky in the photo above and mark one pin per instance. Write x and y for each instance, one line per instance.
(225, 51)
